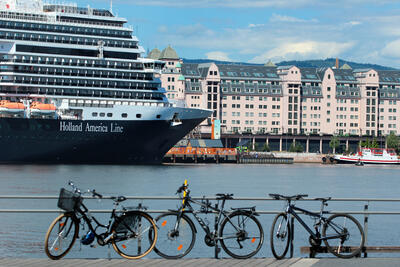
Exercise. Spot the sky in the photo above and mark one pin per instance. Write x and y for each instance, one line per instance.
(256, 31)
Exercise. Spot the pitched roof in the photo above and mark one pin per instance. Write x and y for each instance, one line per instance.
(154, 54)
(270, 64)
(169, 53)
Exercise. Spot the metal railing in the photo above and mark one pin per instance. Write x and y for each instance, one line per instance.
(365, 212)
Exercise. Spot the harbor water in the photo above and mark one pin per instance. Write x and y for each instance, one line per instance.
(22, 234)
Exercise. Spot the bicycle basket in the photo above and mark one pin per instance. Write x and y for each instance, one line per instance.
(68, 200)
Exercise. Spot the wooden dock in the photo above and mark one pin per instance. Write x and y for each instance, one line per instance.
(294, 262)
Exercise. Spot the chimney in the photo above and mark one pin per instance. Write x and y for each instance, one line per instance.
(337, 63)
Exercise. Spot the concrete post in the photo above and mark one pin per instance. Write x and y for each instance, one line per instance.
(254, 143)
(320, 144)
(347, 144)
(308, 144)
(280, 144)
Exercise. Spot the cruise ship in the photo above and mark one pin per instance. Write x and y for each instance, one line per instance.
(75, 89)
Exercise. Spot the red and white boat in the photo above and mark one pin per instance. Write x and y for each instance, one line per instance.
(370, 156)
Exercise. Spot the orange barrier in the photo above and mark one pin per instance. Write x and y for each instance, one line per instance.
(202, 151)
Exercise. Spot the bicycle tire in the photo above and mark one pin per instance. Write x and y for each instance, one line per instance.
(333, 222)
(280, 235)
(132, 226)
(229, 232)
(170, 243)
(65, 222)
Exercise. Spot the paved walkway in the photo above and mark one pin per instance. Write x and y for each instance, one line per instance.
(296, 262)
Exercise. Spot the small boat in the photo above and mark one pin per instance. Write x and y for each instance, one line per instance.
(11, 108)
(370, 156)
(40, 109)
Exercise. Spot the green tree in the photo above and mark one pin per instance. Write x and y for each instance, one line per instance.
(392, 141)
(299, 148)
(334, 143)
(374, 143)
(266, 148)
(292, 148)
(366, 143)
(296, 147)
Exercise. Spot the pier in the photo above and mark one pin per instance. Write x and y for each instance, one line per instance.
(295, 262)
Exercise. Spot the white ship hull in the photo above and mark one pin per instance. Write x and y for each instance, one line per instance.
(370, 156)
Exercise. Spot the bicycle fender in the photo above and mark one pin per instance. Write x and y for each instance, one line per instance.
(247, 212)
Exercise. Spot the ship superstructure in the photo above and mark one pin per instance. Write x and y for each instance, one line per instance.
(74, 88)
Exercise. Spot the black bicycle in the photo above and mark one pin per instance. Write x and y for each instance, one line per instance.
(239, 232)
(132, 233)
(341, 233)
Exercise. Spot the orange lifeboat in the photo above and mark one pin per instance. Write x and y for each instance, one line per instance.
(7, 107)
(38, 108)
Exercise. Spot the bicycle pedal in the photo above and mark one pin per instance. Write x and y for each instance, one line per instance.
(93, 246)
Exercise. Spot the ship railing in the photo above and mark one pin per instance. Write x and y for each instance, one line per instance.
(52, 19)
(363, 204)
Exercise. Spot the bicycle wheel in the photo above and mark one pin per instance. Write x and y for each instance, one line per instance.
(173, 244)
(61, 236)
(241, 235)
(351, 240)
(135, 235)
(280, 236)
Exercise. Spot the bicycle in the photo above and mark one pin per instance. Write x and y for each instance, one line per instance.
(342, 234)
(126, 230)
(239, 232)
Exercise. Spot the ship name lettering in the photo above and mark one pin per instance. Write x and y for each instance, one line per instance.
(70, 127)
(116, 129)
(96, 128)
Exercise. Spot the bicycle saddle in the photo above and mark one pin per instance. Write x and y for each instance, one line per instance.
(119, 198)
(281, 197)
(224, 196)
(323, 199)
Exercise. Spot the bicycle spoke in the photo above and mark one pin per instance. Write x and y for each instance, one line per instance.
(343, 236)
(241, 235)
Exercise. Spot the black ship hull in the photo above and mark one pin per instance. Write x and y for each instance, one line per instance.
(48, 141)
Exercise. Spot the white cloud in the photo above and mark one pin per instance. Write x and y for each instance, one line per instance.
(163, 29)
(392, 49)
(251, 25)
(218, 55)
(353, 23)
(281, 18)
(303, 50)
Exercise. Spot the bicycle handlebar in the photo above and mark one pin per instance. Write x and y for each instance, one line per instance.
(281, 197)
(77, 190)
(182, 188)
(95, 194)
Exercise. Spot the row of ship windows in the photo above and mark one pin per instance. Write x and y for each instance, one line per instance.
(64, 29)
(72, 62)
(79, 82)
(66, 39)
(94, 53)
(123, 115)
(82, 93)
(77, 72)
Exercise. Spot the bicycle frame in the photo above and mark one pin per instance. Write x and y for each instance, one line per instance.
(102, 240)
(187, 208)
(291, 209)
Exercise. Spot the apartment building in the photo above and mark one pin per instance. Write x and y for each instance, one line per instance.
(287, 99)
